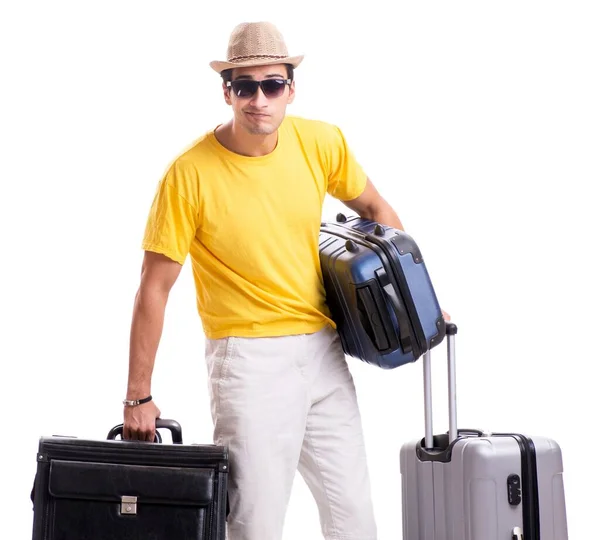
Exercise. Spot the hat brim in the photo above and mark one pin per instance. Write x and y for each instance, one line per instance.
(219, 66)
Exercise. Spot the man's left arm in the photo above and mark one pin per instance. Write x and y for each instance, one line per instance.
(371, 205)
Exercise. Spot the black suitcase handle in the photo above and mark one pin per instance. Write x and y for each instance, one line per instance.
(173, 426)
(399, 311)
(370, 313)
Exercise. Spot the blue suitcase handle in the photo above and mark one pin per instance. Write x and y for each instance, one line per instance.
(399, 311)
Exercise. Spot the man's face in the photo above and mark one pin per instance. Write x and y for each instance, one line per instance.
(259, 114)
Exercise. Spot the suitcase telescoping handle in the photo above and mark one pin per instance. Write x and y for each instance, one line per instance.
(173, 426)
(451, 330)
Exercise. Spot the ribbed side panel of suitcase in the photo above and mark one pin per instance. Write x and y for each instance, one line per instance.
(96, 490)
(484, 491)
(379, 292)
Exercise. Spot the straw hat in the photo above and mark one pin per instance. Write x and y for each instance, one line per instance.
(255, 44)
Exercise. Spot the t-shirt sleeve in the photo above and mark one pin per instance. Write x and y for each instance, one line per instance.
(173, 219)
(347, 179)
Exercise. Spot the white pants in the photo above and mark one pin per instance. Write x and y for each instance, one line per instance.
(283, 404)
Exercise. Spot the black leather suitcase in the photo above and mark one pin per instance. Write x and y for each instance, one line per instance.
(129, 490)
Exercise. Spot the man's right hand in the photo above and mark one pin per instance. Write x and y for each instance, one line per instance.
(139, 422)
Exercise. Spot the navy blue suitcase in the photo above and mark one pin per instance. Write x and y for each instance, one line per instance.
(379, 292)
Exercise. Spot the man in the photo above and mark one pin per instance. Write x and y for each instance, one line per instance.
(245, 203)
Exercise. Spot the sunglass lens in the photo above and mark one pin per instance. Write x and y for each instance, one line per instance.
(244, 88)
(273, 87)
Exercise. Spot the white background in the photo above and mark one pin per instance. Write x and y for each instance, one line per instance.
(478, 121)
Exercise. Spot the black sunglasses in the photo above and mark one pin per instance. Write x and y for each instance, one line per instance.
(246, 88)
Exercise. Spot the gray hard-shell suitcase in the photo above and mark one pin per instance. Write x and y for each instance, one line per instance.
(468, 485)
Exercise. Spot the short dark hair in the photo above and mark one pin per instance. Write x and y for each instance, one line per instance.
(227, 74)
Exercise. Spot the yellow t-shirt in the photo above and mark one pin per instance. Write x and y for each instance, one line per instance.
(251, 227)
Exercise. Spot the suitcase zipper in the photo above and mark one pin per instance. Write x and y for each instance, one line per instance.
(531, 504)
(517, 534)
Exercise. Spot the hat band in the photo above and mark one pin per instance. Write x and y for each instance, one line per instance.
(249, 57)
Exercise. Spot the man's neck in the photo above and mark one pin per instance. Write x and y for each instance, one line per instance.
(236, 140)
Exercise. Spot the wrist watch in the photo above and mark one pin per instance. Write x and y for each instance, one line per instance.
(135, 402)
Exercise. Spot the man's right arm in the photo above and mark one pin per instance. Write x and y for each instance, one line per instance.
(159, 274)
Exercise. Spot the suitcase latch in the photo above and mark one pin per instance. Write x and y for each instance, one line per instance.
(128, 505)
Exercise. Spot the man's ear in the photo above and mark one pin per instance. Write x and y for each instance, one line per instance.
(292, 94)
(227, 94)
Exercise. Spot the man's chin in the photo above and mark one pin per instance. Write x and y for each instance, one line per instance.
(264, 128)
